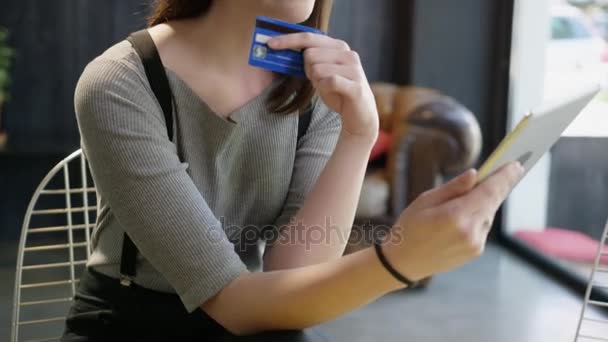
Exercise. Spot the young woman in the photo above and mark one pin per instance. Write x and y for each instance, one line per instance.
(236, 162)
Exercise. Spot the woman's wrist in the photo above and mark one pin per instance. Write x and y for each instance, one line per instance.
(364, 141)
(404, 259)
(378, 271)
(391, 269)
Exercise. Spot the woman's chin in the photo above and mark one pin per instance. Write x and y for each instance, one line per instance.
(294, 18)
(292, 11)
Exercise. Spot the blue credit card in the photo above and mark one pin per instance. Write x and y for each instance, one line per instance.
(288, 62)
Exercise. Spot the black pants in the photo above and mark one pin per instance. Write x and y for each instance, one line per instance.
(103, 310)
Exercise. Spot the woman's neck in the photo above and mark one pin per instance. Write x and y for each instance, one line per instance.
(222, 37)
(214, 50)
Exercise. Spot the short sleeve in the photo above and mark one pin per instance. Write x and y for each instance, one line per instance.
(136, 169)
(313, 151)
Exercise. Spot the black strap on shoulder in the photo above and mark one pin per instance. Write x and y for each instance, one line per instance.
(304, 122)
(155, 71)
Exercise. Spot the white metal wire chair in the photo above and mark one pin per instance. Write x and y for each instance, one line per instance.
(53, 250)
(592, 326)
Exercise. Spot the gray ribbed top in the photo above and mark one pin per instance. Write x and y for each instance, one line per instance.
(186, 217)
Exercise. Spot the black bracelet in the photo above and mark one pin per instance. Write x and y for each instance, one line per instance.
(387, 265)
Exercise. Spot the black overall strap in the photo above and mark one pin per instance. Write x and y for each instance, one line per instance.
(155, 71)
(304, 122)
(146, 49)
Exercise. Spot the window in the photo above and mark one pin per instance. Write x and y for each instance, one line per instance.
(561, 207)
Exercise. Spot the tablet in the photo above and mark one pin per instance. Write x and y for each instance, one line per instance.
(536, 133)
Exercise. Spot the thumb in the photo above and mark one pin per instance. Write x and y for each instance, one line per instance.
(450, 190)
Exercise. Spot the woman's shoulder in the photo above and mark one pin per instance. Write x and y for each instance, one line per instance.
(114, 78)
(122, 51)
(120, 56)
(117, 67)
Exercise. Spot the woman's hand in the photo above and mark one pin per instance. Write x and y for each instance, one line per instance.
(448, 226)
(336, 72)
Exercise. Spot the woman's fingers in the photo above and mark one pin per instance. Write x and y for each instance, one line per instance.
(318, 72)
(329, 62)
(484, 223)
(488, 196)
(480, 204)
(305, 40)
(448, 191)
(332, 56)
(338, 84)
(337, 74)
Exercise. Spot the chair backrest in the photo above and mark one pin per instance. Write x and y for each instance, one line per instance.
(53, 250)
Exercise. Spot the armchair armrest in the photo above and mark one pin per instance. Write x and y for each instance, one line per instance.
(458, 129)
(434, 137)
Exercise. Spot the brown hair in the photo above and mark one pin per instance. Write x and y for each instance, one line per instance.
(293, 94)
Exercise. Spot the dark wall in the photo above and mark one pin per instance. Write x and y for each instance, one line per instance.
(372, 29)
(456, 49)
(19, 177)
(54, 41)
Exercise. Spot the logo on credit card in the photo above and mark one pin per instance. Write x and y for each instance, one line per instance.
(289, 62)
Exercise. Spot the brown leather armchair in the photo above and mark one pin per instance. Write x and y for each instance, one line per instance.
(433, 138)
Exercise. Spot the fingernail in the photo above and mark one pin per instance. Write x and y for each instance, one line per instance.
(520, 167)
(467, 177)
(274, 42)
(470, 173)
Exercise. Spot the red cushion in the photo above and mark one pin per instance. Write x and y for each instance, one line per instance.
(382, 145)
(563, 244)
